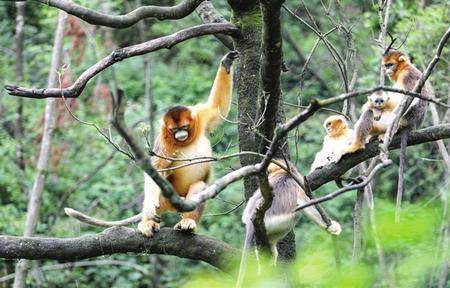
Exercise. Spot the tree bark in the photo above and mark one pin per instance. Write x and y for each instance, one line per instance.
(330, 172)
(248, 19)
(121, 240)
(44, 154)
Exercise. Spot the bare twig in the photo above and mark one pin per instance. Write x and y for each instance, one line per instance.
(209, 14)
(226, 212)
(383, 21)
(347, 188)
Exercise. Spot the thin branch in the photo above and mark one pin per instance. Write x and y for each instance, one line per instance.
(123, 21)
(383, 28)
(226, 212)
(209, 14)
(347, 188)
(119, 55)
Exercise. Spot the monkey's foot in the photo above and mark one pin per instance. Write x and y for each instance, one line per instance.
(228, 59)
(148, 227)
(186, 224)
(334, 228)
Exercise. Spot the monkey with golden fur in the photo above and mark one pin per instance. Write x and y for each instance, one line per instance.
(374, 120)
(281, 217)
(183, 135)
(405, 76)
(339, 135)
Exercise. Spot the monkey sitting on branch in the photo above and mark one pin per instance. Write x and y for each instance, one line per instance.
(182, 136)
(339, 135)
(281, 217)
(375, 117)
(405, 76)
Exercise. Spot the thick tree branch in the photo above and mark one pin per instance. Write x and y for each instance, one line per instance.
(123, 21)
(119, 55)
(120, 240)
(209, 14)
(346, 188)
(331, 171)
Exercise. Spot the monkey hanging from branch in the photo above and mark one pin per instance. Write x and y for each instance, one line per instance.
(281, 217)
(182, 135)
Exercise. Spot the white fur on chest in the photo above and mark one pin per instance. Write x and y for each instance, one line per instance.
(186, 176)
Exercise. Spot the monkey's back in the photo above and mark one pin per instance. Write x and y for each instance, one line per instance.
(415, 114)
(285, 194)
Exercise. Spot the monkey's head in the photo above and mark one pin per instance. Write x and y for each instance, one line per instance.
(378, 100)
(394, 61)
(335, 125)
(179, 124)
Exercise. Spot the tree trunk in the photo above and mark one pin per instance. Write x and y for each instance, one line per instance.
(247, 17)
(18, 128)
(43, 160)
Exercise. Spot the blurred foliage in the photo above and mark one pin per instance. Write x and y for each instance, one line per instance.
(184, 75)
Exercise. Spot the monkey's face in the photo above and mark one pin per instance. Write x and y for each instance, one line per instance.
(378, 100)
(392, 62)
(179, 123)
(335, 125)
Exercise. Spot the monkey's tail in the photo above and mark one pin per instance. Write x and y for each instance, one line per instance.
(401, 168)
(250, 231)
(97, 222)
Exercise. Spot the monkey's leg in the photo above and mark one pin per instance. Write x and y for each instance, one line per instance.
(274, 250)
(191, 219)
(363, 128)
(152, 196)
(150, 223)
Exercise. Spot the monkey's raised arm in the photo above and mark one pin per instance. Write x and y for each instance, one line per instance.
(219, 101)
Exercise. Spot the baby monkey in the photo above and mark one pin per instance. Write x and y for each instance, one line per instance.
(374, 121)
(281, 217)
(339, 135)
